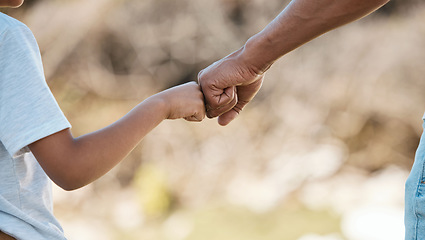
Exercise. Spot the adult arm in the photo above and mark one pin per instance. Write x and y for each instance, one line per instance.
(230, 83)
(74, 162)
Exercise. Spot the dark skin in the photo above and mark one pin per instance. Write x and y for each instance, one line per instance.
(75, 162)
(232, 82)
(228, 85)
(11, 3)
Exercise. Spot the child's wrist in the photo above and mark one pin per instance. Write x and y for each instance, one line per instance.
(160, 105)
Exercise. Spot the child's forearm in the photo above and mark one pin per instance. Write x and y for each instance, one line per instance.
(72, 163)
(300, 22)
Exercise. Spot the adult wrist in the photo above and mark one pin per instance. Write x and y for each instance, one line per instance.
(258, 53)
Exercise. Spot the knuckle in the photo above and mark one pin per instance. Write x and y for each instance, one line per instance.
(212, 103)
(211, 115)
(200, 73)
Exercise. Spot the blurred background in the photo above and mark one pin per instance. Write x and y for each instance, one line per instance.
(322, 153)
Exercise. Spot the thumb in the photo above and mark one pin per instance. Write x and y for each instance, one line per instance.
(227, 117)
(216, 105)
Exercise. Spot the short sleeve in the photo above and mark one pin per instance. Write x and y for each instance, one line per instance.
(28, 110)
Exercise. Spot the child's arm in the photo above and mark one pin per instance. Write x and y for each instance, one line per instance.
(74, 162)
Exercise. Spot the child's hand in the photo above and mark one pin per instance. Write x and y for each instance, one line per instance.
(184, 101)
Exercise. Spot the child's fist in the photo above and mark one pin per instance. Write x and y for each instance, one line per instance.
(184, 101)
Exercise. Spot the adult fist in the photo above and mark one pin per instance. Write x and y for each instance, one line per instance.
(228, 85)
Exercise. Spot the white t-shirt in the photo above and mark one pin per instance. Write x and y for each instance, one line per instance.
(28, 112)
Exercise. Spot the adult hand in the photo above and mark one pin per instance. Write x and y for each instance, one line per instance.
(228, 85)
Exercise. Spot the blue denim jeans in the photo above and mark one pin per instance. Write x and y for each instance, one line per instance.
(414, 214)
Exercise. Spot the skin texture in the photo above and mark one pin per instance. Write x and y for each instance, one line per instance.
(230, 83)
(11, 3)
(75, 162)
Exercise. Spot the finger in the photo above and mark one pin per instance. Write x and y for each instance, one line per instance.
(198, 79)
(201, 115)
(214, 112)
(229, 116)
(198, 117)
(216, 97)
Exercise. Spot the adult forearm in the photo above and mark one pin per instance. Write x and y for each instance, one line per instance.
(300, 22)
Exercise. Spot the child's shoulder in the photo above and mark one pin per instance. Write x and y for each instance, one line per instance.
(9, 23)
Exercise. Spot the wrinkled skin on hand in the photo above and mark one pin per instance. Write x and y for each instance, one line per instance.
(228, 85)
